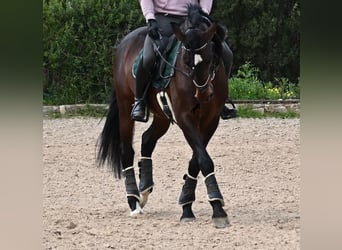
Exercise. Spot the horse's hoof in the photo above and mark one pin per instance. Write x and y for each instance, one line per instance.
(138, 210)
(187, 219)
(144, 197)
(221, 222)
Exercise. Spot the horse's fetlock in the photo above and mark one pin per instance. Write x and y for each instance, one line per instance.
(213, 191)
(131, 184)
(188, 191)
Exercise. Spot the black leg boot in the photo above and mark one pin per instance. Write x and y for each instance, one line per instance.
(213, 191)
(188, 191)
(132, 193)
(187, 197)
(146, 180)
(145, 175)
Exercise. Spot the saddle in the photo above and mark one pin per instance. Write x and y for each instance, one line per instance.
(164, 69)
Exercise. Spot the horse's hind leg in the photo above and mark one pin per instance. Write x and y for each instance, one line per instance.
(150, 137)
(127, 158)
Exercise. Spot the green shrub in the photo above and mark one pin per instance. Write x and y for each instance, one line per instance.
(246, 85)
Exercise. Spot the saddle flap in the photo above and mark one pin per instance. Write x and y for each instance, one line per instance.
(165, 64)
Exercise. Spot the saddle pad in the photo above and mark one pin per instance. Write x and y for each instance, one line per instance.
(161, 82)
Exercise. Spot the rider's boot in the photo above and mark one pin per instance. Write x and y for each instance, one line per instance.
(139, 111)
(227, 57)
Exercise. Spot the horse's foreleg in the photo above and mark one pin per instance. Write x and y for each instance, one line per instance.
(206, 166)
(187, 196)
(146, 179)
(220, 218)
(150, 137)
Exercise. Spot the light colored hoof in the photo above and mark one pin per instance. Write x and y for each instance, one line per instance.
(138, 210)
(144, 197)
(221, 222)
(186, 220)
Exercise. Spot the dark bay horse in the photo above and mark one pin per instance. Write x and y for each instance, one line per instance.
(197, 93)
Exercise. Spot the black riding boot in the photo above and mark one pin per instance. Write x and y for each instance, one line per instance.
(227, 57)
(140, 111)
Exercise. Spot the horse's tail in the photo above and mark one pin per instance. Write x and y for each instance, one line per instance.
(109, 140)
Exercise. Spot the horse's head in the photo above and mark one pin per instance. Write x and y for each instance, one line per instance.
(198, 52)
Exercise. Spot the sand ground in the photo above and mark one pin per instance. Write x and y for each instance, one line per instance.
(256, 164)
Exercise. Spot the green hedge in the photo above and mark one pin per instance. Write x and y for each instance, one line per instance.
(246, 85)
(79, 37)
(78, 41)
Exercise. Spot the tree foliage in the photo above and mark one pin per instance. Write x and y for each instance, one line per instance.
(264, 32)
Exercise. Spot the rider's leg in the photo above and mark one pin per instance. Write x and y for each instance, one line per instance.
(143, 78)
(227, 57)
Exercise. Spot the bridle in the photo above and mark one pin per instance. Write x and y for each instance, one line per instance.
(190, 74)
(210, 77)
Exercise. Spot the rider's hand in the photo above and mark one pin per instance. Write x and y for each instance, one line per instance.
(152, 27)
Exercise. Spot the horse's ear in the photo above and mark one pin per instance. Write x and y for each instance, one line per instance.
(177, 31)
(210, 32)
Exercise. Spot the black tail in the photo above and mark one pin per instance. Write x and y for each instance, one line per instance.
(109, 140)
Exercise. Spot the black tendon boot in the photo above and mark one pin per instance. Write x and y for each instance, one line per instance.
(213, 190)
(145, 175)
(140, 110)
(188, 191)
(132, 192)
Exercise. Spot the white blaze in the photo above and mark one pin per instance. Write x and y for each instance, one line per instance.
(198, 59)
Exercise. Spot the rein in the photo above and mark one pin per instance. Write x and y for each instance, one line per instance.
(188, 75)
(165, 61)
